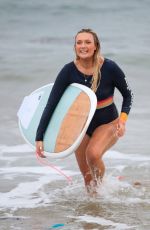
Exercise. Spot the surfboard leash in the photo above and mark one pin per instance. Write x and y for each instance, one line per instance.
(45, 162)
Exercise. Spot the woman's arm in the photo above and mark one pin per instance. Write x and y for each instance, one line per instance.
(122, 85)
(61, 83)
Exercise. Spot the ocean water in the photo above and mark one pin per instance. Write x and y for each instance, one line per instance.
(36, 40)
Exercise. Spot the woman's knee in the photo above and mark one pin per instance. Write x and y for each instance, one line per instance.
(92, 155)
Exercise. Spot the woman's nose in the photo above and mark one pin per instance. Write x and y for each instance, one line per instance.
(83, 44)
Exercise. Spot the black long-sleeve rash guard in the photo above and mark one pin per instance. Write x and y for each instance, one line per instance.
(111, 77)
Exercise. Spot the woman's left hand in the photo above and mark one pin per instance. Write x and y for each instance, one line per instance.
(120, 128)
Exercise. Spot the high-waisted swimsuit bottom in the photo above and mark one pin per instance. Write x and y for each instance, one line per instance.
(103, 115)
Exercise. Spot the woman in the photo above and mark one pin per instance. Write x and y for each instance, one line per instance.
(102, 75)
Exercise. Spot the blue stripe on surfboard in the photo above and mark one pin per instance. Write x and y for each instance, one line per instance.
(59, 114)
(53, 128)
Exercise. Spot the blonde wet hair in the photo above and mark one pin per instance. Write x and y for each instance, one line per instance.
(96, 59)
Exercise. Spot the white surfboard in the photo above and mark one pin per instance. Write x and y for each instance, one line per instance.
(68, 123)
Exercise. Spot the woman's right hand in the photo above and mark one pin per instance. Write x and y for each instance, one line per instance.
(40, 149)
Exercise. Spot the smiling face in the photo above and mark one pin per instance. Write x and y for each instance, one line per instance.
(85, 46)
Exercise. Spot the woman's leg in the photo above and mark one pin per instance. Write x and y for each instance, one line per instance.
(81, 159)
(102, 139)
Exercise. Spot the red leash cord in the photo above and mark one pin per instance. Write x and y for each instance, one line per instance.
(48, 164)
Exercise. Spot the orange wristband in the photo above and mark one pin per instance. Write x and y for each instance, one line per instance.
(123, 117)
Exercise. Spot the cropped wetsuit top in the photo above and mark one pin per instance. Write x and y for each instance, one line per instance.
(111, 77)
